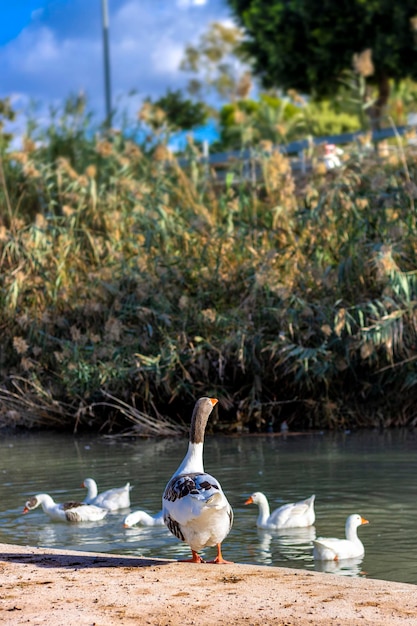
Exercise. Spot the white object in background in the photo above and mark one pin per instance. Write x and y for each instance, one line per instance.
(294, 515)
(331, 156)
(331, 549)
(112, 499)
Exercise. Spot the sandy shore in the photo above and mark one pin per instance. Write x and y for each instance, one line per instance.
(60, 587)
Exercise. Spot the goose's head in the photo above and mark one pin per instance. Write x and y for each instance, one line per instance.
(88, 482)
(255, 498)
(31, 504)
(355, 520)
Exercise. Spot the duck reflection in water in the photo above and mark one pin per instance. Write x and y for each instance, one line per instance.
(344, 567)
(81, 536)
(291, 543)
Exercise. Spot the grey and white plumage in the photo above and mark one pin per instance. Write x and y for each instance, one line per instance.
(194, 506)
(66, 511)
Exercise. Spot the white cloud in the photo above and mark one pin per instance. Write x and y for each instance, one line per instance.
(169, 61)
(187, 3)
(60, 52)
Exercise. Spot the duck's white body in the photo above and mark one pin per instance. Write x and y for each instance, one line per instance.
(67, 511)
(143, 518)
(112, 499)
(332, 549)
(194, 506)
(294, 515)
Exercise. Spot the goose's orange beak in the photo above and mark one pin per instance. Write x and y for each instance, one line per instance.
(25, 510)
(364, 521)
(249, 500)
(214, 401)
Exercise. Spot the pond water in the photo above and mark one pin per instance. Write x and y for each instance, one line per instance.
(370, 473)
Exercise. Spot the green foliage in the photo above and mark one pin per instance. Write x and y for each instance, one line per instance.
(249, 122)
(67, 134)
(403, 101)
(307, 44)
(181, 113)
(7, 114)
(322, 118)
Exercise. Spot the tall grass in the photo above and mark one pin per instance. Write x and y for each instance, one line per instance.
(130, 286)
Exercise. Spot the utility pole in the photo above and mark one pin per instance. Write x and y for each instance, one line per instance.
(107, 89)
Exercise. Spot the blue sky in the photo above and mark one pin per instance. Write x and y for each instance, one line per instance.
(50, 49)
(15, 16)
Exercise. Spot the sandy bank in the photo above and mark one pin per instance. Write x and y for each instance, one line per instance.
(57, 587)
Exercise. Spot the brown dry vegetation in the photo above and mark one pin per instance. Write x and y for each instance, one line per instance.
(131, 285)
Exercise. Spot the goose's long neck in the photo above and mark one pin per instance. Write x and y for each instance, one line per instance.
(264, 511)
(352, 533)
(142, 516)
(92, 490)
(193, 460)
(198, 426)
(46, 502)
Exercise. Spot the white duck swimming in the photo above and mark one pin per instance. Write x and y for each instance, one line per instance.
(331, 549)
(67, 511)
(194, 506)
(112, 499)
(294, 515)
(143, 518)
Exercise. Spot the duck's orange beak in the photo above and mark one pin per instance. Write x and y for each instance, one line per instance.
(249, 500)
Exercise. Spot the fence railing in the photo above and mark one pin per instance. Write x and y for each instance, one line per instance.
(299, 146)
(298, 152)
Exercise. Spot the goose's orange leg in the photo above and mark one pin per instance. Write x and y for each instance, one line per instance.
(196, 558)
(219, 558)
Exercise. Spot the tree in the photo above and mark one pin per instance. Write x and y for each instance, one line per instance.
(181, 113)
(218, 64)
(308, 44)
(251, 121)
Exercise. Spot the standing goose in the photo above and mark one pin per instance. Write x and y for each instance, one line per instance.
(67, 511)
(194, 506)
(112, 499)
(294, 515)
(331, 549)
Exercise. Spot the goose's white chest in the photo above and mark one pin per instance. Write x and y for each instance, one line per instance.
(196, 510)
